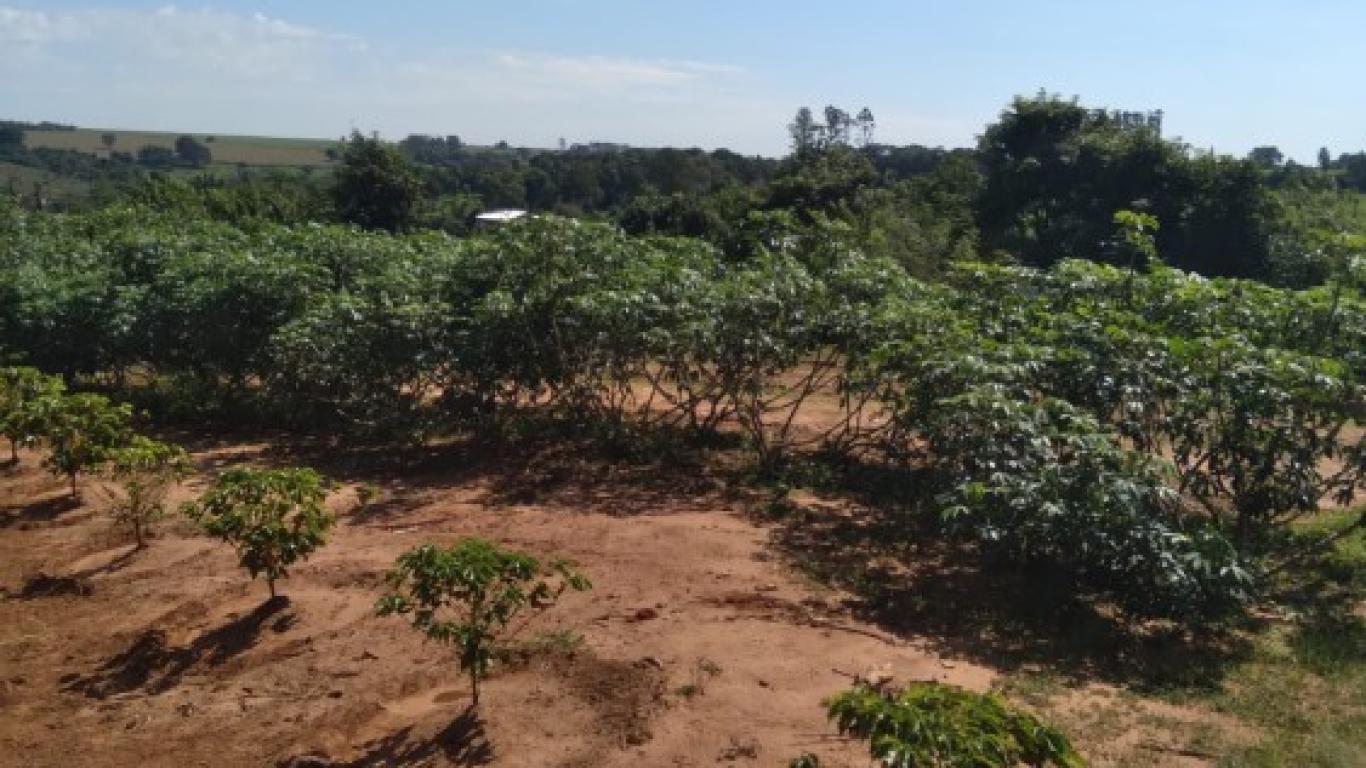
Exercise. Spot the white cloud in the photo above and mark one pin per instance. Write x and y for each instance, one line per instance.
(607, 72)
(34, 28)
(531, 78)
(171, 42)
(204, 69)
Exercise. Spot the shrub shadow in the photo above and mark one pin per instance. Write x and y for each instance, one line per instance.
(115, 564)
(636, 474)
(910, 580)
(42, 585)
(150, 664)
(463, 743)
(42, 511)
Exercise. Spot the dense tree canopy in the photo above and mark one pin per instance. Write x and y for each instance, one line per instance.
(375, 186)
(1042, 185)
(1055, 173)
(191, 152)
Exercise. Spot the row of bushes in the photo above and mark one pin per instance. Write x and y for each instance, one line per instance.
(1055, 409)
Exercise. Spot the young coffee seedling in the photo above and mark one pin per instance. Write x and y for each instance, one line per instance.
(82, 431)
(274, 518)
(144, 470)
(467, 595)
(943, 725)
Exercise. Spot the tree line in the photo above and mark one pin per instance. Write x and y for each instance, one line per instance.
(1041, 186)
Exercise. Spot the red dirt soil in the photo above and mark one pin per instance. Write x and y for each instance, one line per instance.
(698, 646)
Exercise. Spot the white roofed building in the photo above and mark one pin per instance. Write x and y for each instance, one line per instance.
(499, 216)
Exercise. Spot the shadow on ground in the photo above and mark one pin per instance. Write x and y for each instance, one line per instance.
(462, 743)
(150, 664)
(41, 511)
(42, 585)
(908, 579)
(115, 564)
(571, 472)
(1327, 592)
(623, 696)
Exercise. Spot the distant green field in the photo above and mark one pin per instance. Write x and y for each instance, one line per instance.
(251, 150)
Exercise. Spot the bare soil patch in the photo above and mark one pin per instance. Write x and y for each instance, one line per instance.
(700, 644)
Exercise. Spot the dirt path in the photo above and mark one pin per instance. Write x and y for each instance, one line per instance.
(698, 646)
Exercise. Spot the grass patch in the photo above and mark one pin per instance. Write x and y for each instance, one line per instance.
(1037, 689)
(1304, 688)
(1305, 691)
(1294, 693)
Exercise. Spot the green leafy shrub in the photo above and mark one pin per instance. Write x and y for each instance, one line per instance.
(363, 362)
(1260, 436)
(1043, 483)
(467, 595)
(274, 518)
(941, 725)
(144, 470)
(27, 400)
(82, 432)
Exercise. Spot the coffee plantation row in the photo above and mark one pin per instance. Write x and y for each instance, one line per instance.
(1147, 434)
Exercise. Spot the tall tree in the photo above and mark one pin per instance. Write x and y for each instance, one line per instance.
(837, 123)
(805, 132)
(866, 125)
(1266, 157)
(1056, 172)
(375, 186)
(191, 152)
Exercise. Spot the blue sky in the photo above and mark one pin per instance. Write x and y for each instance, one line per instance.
(1230, 75)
